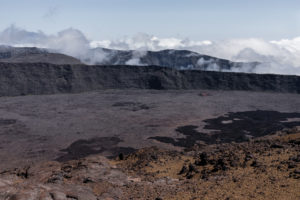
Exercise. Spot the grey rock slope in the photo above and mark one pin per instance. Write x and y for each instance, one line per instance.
(38, 78)
(177, 59)
(33, 55)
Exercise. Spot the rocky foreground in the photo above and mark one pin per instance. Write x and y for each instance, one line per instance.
(262, 168)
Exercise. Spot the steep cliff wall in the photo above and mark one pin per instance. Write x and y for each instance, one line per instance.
(40, 78)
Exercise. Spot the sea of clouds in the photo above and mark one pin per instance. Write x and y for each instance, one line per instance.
(279, 57)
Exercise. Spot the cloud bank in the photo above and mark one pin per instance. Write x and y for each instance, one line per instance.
(69, 41)
(280, 57)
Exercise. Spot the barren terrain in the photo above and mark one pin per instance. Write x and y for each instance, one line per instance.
(108, 122)
(262, 168)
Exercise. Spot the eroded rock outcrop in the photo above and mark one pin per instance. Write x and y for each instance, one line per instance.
(89, 178)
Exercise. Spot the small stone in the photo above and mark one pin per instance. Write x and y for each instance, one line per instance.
(203, 160)
(183, 170)
(121, 156)
(292, 165)
(276, 146)
(297, 171)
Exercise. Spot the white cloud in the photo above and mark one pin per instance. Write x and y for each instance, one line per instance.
(292, 45)
(144, 41)
(103, 43)
(133, 61)
(136, 58)
(17, 36)
(69, 41)
(282, 56)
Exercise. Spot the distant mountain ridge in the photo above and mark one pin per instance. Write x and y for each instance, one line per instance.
(34, 55)
(176, 59)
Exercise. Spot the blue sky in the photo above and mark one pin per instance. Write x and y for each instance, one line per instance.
(195, 19)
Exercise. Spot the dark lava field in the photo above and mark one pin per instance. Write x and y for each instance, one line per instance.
(63, 127)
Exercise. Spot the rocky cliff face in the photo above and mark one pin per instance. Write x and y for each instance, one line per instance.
(38, 78)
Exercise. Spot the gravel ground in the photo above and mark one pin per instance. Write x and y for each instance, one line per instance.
(37, 128)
